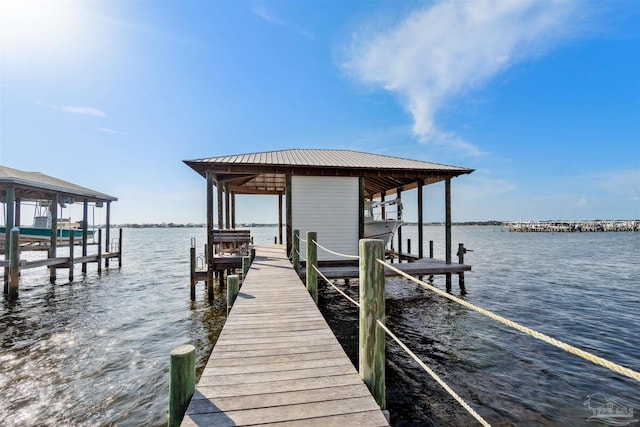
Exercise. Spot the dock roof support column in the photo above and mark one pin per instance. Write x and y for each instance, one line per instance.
(10, 196)
(399, 217)
(220, 207)
(227, 211)
(210, 226)
(289, 213)
(233, 210)
(107, 234)
(361, 208)
(280, 218)
(420, 220)
(85, 234)
(53, 208)
(447, 228)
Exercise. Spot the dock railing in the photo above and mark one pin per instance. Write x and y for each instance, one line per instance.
(372, 319)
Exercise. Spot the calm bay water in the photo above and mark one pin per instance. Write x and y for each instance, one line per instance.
(96, 351)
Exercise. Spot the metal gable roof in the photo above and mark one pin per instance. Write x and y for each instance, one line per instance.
(327, 159)
(265, 172)
(36, 185)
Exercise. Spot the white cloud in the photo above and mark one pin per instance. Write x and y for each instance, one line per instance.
(112, 131)
(441, 52)
(88, 111)
(271, 18)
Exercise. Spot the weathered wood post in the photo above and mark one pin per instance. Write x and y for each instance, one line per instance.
(372, 308)
(192, 260)
(182, 382)
(296, 250)
(246, 264)
(312, 261)
(409, 246)
(53, 252)
(233, 286)
(71, 243)
(430, 248)
(100, 250)
(447, 229)
(14, 266)
(120, 249)
(461, 252)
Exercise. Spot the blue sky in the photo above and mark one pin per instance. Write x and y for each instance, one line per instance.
(542, 98)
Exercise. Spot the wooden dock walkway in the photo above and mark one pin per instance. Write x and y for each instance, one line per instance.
(277, 361)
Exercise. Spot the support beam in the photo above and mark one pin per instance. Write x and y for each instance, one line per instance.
(398, 216)
(233, 210)
(447, 228)
(210, 226)
(280, 218)
(220, 207)
(227, 207)
(107, 234)
(53, 208)
(9, 223)
(361, 208)
(420, 220)
(289, 213)
(85, 231)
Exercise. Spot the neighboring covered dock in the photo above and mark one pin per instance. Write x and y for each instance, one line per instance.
(16, 187)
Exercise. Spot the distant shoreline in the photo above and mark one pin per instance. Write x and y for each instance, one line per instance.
(257, 225)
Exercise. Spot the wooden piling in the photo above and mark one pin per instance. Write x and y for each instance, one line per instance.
(233, 286)
(447, 229)
(372, 308)
(430, 248)
(120, 248)
(182, 382)
(461, 251)
(246, 264)
(14, 267)
(99, 250)
(53, 208)
(9, 223)
(409, 246)
(71, 242)
(296, 250)
(85, 231)
(312, 261)
(192, 259)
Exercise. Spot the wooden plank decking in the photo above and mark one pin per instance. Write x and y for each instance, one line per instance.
(277, 361)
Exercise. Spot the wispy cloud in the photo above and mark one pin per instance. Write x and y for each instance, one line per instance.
(112, 131)
(270, 17)
(441, 52)
(75, 109)
(87, 111)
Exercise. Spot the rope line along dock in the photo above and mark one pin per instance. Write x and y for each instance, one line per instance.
(277, 360)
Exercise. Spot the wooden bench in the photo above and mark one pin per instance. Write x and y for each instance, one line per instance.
(232, 242)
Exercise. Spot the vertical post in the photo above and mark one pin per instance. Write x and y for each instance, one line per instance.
(420, 220)
(280, 217)
(399, 232)
(107, 234)
(296, 250)
(361, 192)
(100, 250)
(447, 230)
(192, 271)
(209, 247)
(312, 261)
(233, 286)
(71, 244)
(246, 264)
(14, 266)
(289, 212)
(53, 208)
(9, 223)
(120, 248)
(372, 308)
(409, 246)
(220, 206)
(430, 248)
(233, 210)
(461, 252)
(85, 231)
(182, 382)
(227, 207)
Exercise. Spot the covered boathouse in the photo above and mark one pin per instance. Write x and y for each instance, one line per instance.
(324, 191)
(18, 187)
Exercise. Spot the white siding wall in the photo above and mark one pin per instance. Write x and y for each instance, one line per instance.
(328, 206)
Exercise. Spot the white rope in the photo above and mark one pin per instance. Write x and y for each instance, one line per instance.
(336, 288)
(335, 253)
(435, 376)
(566, 347)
